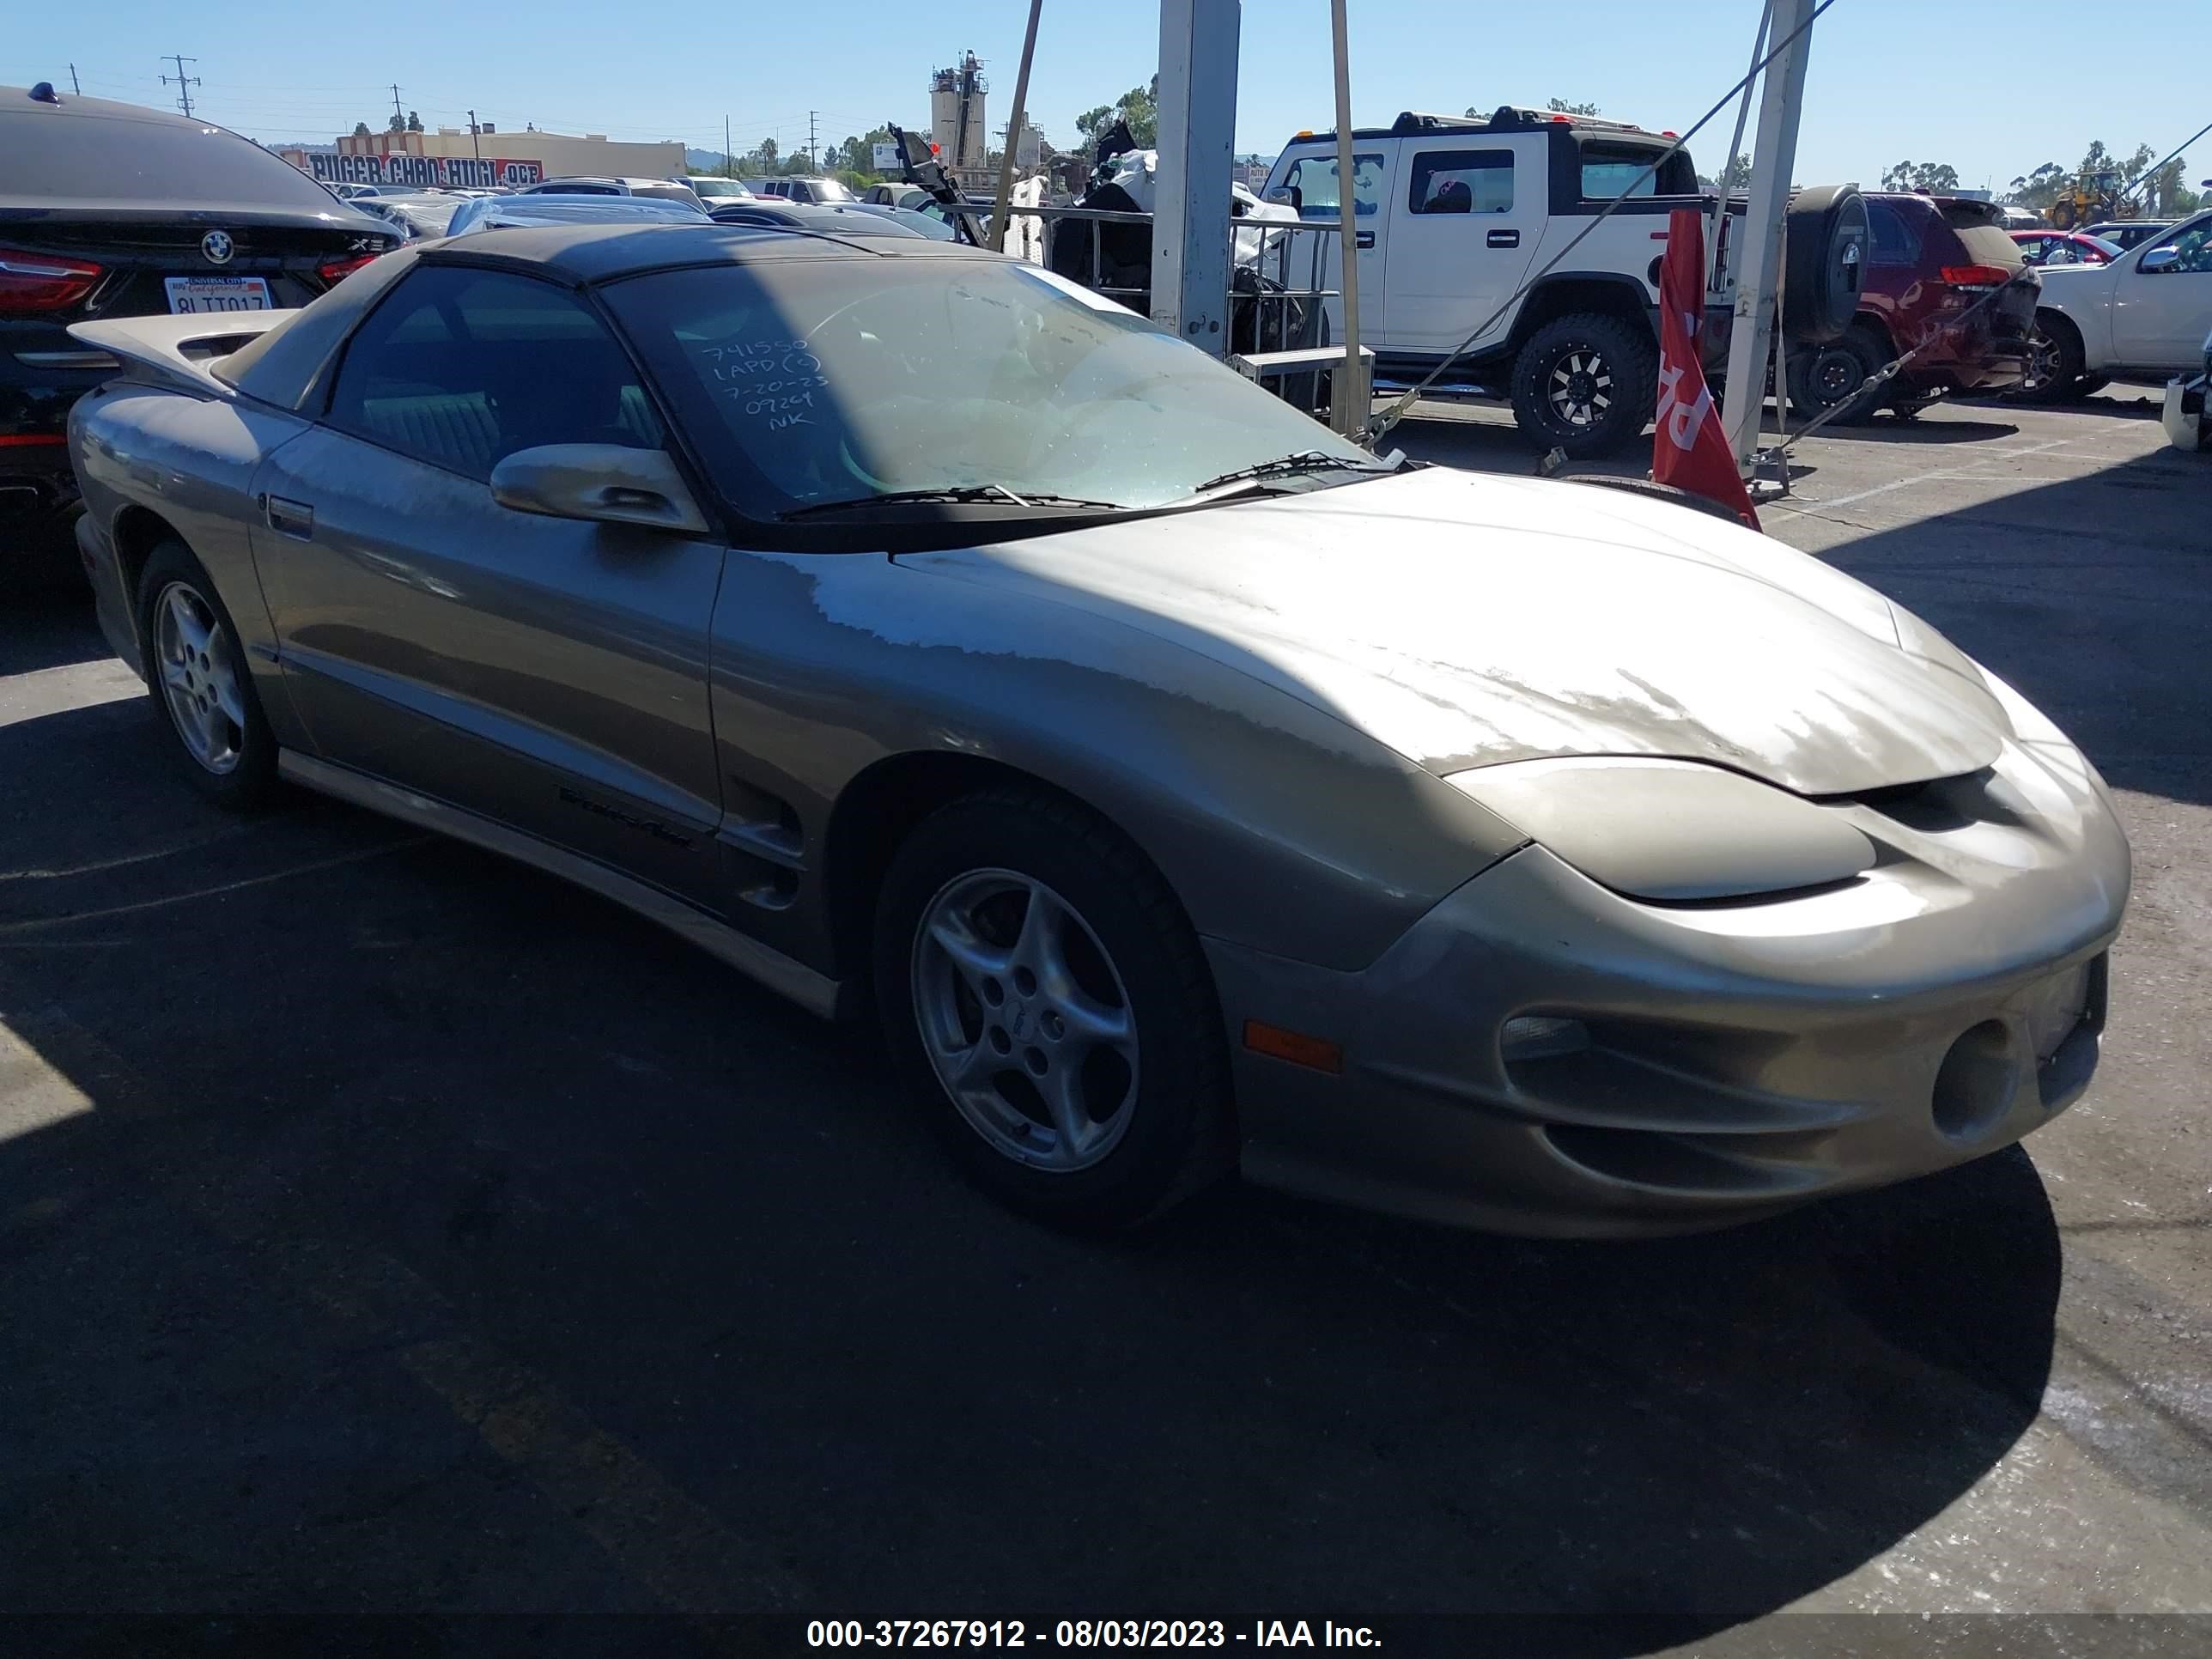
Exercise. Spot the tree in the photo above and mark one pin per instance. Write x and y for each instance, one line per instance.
(1139, 107)
(1931, 178)
(1561, 106)
(361, 130)
(414, 122)
(396, 124)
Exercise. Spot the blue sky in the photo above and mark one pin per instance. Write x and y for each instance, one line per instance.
(1978, 83)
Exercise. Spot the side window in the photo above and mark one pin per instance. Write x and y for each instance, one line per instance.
(1895, 242)
(1462, 181)
(2193, 243)
(1314, 176)
(461, 367)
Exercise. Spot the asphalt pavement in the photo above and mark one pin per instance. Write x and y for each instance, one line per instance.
(397, 1240)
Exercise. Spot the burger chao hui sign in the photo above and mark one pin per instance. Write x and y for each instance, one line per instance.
(465, 170)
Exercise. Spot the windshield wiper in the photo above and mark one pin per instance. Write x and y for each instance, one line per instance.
(1283, 466)
(952, 492)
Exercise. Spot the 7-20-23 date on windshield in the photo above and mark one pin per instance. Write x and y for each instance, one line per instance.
(1084, 1633)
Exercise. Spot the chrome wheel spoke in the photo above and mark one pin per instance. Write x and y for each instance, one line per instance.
(192, 632)
(973, 959)
(1072, 1123)
(1015, 996)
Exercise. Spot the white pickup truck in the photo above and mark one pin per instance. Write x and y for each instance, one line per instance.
(2141, 318)
(1453, 214)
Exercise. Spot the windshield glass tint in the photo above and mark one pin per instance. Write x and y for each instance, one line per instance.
(811, 380)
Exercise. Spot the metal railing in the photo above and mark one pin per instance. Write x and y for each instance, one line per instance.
(1278, 297)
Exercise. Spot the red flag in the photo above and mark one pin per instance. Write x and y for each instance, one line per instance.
(1689, 450)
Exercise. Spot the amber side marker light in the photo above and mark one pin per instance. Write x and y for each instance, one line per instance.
(1317, 1053)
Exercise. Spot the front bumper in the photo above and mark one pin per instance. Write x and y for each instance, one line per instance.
(1742, 1057)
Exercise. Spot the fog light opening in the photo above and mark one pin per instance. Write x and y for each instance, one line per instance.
(1974, 1086)
(1541, 1036)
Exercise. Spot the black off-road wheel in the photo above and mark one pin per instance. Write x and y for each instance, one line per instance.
(1047, 1001)
(1586, 384)
(1833, 376)
(204, 696)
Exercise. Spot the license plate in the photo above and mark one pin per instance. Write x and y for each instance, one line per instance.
(190, 295)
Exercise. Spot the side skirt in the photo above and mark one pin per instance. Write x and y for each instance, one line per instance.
(815, 993)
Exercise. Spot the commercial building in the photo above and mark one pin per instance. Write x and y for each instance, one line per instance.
(454, 155)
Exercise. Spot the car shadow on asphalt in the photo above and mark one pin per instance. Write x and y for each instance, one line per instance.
(412, 1213)
(2089, 595)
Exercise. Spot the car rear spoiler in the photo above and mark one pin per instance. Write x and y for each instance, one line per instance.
(179, 352)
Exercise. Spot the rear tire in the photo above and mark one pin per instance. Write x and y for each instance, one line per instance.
(2055, 373)
(203, 696)
(1586, 384)
(1046, 999)
(1650, 489)
(1834, 376)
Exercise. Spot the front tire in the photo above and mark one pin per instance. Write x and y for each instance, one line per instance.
(1047, 1001)
(203, 695)
(1586, 384)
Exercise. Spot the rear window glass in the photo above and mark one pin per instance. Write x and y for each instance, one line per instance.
(1611, 169)
(48, 155)
(1461, 181)
(1895, 241)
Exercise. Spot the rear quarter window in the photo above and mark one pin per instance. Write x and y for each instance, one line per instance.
(1896, 239)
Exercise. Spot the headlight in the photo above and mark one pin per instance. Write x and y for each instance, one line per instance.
(1669, 829)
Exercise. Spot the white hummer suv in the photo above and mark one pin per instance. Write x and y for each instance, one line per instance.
(1452, 214)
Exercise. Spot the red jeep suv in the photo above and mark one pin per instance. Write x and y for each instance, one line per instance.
(1933, 257)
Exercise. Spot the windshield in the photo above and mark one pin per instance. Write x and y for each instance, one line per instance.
(810, 380)
(828, 190)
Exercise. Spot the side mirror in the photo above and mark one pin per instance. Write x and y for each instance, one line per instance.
(608, 484)
(2158, 259)
(1289, 196)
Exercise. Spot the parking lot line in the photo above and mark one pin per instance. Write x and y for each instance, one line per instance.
(1941, 474)
(657, 1535)
(35, 923)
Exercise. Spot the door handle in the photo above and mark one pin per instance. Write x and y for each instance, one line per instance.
(1363, 239)
(293, 519)
(1504, 239)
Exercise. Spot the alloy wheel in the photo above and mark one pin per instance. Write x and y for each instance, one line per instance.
(1025, 1020)
(199, 678)
(1580, 389)
(2042, 363)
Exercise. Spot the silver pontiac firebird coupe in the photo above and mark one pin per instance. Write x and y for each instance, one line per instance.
(1182, 787)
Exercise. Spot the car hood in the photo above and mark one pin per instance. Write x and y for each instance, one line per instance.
(1467, 621)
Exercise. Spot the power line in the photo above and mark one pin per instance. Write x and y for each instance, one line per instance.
(184, 82)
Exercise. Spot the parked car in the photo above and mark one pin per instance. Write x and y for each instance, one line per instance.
(1933, 261)
(666, 189)
(2142, 317)
(1454, 214)
(822, 192)
(511, 212)
(1498, 850)
(2065, 248)
(911, 197)
(849, 219)
(713, 192)
(108, 209)
(938, 226)
(2129, 232)
(428, 213)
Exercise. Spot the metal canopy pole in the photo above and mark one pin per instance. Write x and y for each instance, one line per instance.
(1774, 155)
(1342, 413)
(1015, 125)
(1198, 128)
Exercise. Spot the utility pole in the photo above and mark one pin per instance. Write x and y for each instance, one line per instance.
(475, 148)
(74, 87)
(1759, 273)
(813, 149)
(397, 114)
(184, 82)
(729, 161)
